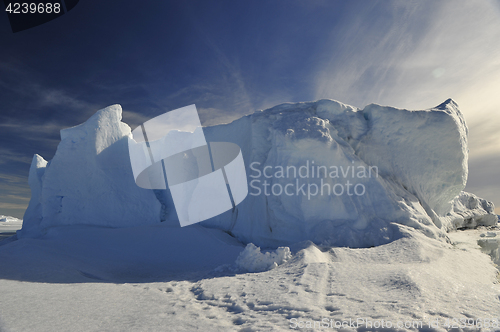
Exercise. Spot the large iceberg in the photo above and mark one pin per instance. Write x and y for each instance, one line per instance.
(320, 171)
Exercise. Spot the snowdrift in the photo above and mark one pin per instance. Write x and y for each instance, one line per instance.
(320, 171)
(9, 225)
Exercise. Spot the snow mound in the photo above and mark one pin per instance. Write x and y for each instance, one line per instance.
(473, 211)
(320, 171)
(491, 246)
(8, 219)
(9, 225)
(253, 260)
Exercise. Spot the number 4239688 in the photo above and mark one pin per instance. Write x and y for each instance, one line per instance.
(32, 8)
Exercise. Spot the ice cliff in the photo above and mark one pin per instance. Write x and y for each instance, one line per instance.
(89, 180)
(320, 171)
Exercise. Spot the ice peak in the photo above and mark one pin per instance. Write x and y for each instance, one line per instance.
(446, 104)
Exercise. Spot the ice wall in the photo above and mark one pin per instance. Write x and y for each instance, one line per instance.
(364, 173)
(89, 181)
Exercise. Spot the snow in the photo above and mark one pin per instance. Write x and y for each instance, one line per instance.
(9, 225)
(155, 278)
(83, 253)
(474, 211)
(8, 219)
(425, 152)
(253, 260)
(97, 253)
(490, 245)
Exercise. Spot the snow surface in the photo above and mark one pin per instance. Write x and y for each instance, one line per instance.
(98, 253)
(153, 278)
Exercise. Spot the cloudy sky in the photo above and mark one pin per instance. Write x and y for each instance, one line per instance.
(231, 58)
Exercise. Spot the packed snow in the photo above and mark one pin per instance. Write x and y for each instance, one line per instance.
(155, 278)
(96, 252)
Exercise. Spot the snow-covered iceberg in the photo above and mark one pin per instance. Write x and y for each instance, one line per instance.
(320, 171)
(89, 180)
(8, 225)
(8, 219)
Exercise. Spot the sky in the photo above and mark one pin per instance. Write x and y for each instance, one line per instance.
(231, 58)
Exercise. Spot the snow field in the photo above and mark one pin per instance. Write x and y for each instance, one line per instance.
(151, 278)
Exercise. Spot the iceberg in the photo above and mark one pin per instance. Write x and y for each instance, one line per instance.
(9, 219)
(89, 181)
(320, 171)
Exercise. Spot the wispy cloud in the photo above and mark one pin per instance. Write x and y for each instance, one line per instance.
(133, 119)
(11, 178)
(34, 94)
(12, 207)
(7, 155)
(14, 194)
(424, 54)
(417, 54)
(231, 75)
(484, 137)
(365, 50)
(213, 116)
(54, 97)
(44, 131)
